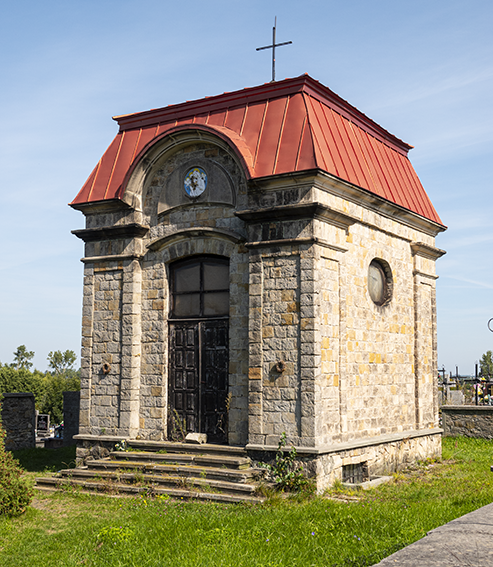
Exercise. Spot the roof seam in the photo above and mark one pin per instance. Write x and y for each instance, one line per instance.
(276, 157)
(247, 106)
(114, 165)
(328, 113)
(98, 167)
(300, 144)
(385, 185)
(314, 139)
(136, 146)
(367, 165)
(260, 133)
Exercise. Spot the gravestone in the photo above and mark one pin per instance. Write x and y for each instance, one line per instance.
(43, 425)
(455, 398)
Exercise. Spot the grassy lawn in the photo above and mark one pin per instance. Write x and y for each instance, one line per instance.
(70, 529)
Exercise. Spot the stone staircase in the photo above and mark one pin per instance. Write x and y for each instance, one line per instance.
(179, 470)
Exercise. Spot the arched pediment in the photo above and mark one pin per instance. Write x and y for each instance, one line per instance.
(157, 153)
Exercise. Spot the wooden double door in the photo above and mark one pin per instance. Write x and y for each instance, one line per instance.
(198, 348)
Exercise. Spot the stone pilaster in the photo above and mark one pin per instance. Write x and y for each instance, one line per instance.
(86, 349)
(255, 428)
(131, 349)
(425, 341)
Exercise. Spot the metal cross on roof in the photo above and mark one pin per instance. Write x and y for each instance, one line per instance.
(273, 47)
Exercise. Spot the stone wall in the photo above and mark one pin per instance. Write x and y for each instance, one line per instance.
(19, 421)
(382, 455)
(126, 297)
(354, 369)
(71, 410)
(469, 421)
(281, 408)
(94, 447)
(310, 353)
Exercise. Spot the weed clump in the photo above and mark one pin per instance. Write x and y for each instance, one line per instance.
(16, 491)
(285, 472)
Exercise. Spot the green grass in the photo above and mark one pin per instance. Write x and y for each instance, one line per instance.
(42, 461)
(72, 529)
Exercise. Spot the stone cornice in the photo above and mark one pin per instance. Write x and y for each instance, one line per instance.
(105, 206)
(296, 242)
(132, 230)
(200, 232)
(110, 258)
(350, 445)
(362, 197)
(297, 211)
(426, 251)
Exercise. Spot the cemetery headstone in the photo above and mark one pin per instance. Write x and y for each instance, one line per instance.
(456, 398)
(43, 425)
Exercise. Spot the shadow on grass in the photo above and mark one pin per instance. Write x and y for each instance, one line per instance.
(46, 460)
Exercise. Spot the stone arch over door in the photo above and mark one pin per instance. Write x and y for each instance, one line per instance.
(182, 245)
(181, 227)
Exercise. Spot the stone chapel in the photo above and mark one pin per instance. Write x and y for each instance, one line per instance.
(260, 262)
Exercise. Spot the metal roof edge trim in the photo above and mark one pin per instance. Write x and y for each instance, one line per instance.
(249, 95)
(324, 95)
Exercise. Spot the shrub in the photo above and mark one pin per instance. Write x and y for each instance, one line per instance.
(16, 491)
(285, 472)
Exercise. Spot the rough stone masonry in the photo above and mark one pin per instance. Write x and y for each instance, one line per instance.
(324, 327)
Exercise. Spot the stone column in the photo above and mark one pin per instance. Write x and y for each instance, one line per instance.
(310, 344)
(131, 348)
(255, 429)
(425, 344)
(86, 350)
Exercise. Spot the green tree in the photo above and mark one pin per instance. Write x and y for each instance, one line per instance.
(61, 362)
(22, 358)
(486, 364)
(12, 380)
(53, 398)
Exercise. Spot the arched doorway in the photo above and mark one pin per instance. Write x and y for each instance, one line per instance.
(198, 347)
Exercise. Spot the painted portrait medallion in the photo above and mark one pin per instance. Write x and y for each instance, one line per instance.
(195, 182)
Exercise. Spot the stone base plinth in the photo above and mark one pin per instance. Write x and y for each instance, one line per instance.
(380, 455)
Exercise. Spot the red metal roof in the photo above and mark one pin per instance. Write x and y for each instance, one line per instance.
(287, 126)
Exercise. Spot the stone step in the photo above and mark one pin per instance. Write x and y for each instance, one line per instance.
(204, 460)
(155, 479)
(193, 448)
(181, 470)
(230, 475)
(52, 484)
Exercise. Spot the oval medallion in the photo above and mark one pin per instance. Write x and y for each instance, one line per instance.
(195, 182)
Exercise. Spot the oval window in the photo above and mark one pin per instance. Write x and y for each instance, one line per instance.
(380, 282)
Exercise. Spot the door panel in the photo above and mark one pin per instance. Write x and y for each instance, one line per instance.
(198, 347)
(214, 380)
(198, 391)
(183, 376)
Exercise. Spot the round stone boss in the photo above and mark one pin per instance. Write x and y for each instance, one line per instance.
(195, 182)
(380, 283)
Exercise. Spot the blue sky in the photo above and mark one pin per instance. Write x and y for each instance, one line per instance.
(422, 69)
